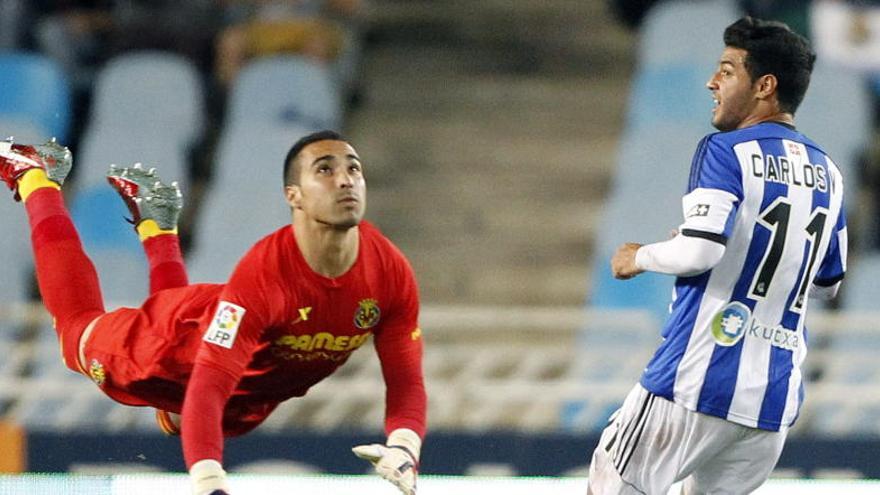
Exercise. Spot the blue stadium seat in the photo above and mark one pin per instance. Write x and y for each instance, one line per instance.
(149, 108)
(848, 370)
(15, 360)
(588, 415)
(860, 290)
(46, 359)
(22, 129)
(15, 244)
(103, 146)
(35, 412)
(112, 245)
(35, 92)
(679, 31)
(671, 94)
(661, 157)
(149, 94)
(848, 342)
(284, 91)
(246, 198)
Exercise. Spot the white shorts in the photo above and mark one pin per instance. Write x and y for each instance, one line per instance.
(652, 442)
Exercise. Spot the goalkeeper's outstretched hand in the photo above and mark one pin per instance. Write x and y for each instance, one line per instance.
(397, 460)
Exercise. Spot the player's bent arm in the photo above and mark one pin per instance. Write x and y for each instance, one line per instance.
(682, 256)
(202, 427)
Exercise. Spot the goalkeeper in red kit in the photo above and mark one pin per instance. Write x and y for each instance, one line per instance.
(216, 359)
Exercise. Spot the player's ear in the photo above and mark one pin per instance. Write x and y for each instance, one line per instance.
(766, 86)
(294, 195)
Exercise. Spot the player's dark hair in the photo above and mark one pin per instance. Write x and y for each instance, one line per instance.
(291, 170)
(773, 48)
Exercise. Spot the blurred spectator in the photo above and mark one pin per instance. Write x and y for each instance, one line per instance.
(10, 23)
(82, 34)
(186, 27)
(848, 33)
(631, 12)
(74, 33)
(795, 13)
(325, 30)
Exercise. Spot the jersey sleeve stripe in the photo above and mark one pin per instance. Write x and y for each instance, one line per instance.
(828, 282)
(710, 236)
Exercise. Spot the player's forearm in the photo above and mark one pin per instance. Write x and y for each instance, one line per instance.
(406, 410)
(406, 402)
(202, 415)
(682, 256)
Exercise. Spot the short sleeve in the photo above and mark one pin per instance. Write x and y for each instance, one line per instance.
(715, 166)
(709, 214)
(714, 192)
(248, 304)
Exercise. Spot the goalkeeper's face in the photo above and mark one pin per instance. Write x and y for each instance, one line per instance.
(331, 189)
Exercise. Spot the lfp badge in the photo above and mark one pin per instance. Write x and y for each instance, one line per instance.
(224, 326)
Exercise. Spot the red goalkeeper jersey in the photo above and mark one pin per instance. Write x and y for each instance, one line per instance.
(276, 328)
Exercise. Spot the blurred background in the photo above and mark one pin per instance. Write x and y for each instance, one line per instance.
(509, 147)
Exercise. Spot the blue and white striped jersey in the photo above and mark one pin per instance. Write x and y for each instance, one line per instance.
(735, 339)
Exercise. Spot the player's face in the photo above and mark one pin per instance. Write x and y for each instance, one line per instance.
(732, 91)
(331, 190)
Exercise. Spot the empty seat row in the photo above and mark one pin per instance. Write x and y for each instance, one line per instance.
(149, 107)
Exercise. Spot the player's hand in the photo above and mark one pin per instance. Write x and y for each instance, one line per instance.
(207, 477)
(392, 463)
(623, 263)
(397, 460)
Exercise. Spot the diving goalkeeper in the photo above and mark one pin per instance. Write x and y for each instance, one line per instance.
(216, 359)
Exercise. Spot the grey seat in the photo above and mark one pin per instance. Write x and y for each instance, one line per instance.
(284, 91)
(245, 201)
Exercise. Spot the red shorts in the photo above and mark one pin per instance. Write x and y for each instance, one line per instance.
(144, 356)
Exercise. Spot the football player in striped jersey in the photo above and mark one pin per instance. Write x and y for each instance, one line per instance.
(764, 230)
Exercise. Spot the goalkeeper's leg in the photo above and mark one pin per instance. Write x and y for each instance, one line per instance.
(67, 279)
(155, 208)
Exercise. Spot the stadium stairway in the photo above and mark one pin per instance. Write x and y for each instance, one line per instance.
(489, 132)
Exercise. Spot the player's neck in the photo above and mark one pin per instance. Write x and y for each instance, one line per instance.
(767, 113)
(327, 250)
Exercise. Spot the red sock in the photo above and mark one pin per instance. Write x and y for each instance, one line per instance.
(67, 278)
(167, 269)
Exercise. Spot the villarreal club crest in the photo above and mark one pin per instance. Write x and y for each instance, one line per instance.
(367, 314)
